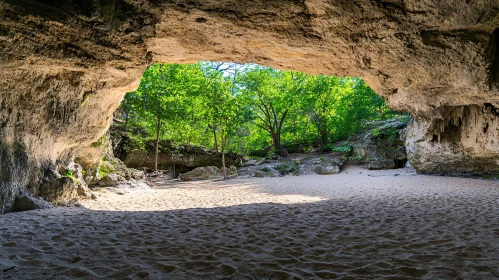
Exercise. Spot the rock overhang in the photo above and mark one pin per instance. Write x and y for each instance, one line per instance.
(66, 65)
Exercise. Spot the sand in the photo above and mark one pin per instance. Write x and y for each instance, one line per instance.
(355, 225)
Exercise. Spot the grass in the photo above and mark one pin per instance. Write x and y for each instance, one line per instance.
(266, 169)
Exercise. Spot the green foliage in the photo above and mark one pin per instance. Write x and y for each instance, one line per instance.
(385, 138)
(99, 143)
(336, 162)
(85, 99)
(358, 158)
(249, 108)
(102, 174)
(286, 168)
(342, 149)
(103, 170)
(69, 174)
(266, 169)
(271, 152)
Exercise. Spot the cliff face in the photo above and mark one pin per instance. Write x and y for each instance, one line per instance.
(65, 66)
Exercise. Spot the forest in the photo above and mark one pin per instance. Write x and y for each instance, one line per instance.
(247, 109)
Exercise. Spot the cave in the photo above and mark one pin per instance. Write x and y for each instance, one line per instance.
(400, 163)
(66, 66)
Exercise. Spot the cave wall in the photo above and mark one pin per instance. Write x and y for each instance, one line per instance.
(65, 65)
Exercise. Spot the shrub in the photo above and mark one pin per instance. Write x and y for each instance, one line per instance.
(286, 168)
(342, 149)
(266, 169)
(103, 170)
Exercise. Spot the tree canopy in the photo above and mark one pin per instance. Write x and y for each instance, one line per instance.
(248, 108)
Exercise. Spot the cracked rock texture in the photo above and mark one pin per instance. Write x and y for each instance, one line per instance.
(65, 66)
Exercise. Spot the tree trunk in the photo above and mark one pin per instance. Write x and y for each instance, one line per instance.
(127, 113)
(277, 141)
(223, 157)
(215, 137)
(158, 128)
(323, 139)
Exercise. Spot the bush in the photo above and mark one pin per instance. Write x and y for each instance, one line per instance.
(347, 149)
(103, 170)
(286, 168)
(70, 175)
(266, 169)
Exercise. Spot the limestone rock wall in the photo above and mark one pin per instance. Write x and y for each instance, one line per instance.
(462, 140)
(65, 65)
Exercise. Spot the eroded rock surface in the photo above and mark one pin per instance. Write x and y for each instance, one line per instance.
(25, 202)
(294, 164)
(207, 173)
(66, 65)
(174, 158)
(59, 191)
(381, 146)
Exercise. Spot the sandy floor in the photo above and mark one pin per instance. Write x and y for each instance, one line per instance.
(356, 225)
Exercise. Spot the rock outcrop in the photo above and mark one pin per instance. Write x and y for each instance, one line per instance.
(207, 173)
(294, 164)
(66, 65)
(175, 158)
(463, 140)
(327, 169)
(25, 202)
(59, 191)
(381, 146)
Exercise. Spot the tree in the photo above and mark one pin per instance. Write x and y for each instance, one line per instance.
(240, 108)
(164, 90)
(272, 94)
(319, 104)
(356, 103)
(222, 107)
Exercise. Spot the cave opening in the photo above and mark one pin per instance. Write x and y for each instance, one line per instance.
(492, 53)
(186, 116)
(400, 163)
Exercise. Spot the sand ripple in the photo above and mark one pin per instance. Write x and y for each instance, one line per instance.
(355, 225)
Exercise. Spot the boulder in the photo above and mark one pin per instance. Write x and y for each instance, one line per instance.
(108, 166)
(25, 202)
(83, 191)
(136, 174)
(115, 166)
(76, 172)
(111, 180)
(264, 170)
(59, 191)
(208, 172)
(327, 169)
(381, 147)
(201, 173)
(231, 171)
(380, 163)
